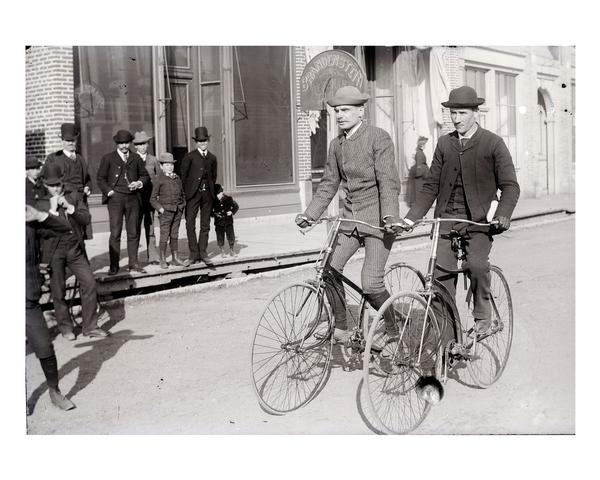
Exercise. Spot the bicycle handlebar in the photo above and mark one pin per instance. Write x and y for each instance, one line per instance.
(454, 220)
(314, 223)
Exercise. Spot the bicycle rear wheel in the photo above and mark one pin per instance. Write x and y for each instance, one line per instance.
(393, 366)
(489, 353)
(402, 277)
(291, 348)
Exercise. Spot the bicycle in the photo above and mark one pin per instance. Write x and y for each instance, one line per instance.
(404, 379)
(292, 344)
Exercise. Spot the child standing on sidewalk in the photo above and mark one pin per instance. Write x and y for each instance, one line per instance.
(224, 208)
(168, 200)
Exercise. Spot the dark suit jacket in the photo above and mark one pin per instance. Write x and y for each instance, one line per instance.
(111, 167)
(65, 164)
(167, 193)
(365, 166)
(193, 168)
(220, 209)
(486, 167)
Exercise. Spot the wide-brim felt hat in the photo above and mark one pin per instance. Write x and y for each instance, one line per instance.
(166, 158)
(32, 162)
(141, 137)
(348, 95)
(463, 97)
(69, 131)
(201, 134)
(52, 175)
(123, 136)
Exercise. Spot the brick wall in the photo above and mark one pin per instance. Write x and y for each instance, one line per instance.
(303, 129)
(49, 98)
(455, 69)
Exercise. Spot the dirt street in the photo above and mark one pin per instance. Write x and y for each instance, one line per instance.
(179, 361)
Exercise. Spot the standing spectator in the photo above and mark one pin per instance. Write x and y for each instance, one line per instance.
(169, 201)
(60, 251)
(418, 172)
(469, 166)
(224, 208)
(361, 159)
(36, 330)
(140, 143)
(72, 166)
(199, 175)
(121, 176)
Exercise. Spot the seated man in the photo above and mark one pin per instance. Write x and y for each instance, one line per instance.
(62, 250)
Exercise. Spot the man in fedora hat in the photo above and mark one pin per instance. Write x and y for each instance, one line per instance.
(362, 159)
(469, 166)
(73, 166)
(60, 251)
(199, 175)
(140, 143)
(121, 176)
(169, 201)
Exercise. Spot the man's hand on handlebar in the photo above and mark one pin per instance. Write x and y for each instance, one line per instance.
(501, 223)
(302, 220)
(396, 225)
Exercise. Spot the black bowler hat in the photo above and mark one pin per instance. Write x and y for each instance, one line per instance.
(68, 131)
(463, 97)
(32, 162)
(201, 134)
(123, 136)
(53, 175)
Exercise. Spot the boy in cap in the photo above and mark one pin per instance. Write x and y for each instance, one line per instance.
(469, 166)
(140, 143)
(168, 200)
(67, 250)
(33, 185)
(224, 208)
(121, 176)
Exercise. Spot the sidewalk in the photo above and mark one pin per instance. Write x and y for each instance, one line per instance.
(260, 241)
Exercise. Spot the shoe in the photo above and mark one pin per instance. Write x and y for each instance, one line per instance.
(223, 254)
(341, 336)
(232, 252)
(68, 335)
(113, 270)
(136, 268)
(59, 400)
(163, 264)
(96, 333)
(482, 326)
(178, 262)
(206, 260)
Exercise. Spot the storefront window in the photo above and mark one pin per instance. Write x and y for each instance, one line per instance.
(262, 103)
(113, 90)
(506, 105)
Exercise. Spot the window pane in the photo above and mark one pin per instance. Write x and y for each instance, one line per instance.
(475, 78)
(178, 120)
(211, 117)
(113, 90)
(263, 130)
(210, 67)
(178, 57)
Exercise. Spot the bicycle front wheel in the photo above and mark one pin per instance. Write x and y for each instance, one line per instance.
(291, 348)
(397, 360)
(402, 277)
(489, 353)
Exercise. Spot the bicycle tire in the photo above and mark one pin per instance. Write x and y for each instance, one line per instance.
(291, 348)
(490, 354)
(392, 370)
(402, 277)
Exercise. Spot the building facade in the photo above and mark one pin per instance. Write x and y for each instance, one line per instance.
(271, 152)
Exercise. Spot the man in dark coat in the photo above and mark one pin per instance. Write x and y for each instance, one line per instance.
(66, 250)
(418, 172)
(72, 166)
(224, 208)
(362, 160)
(121, 176)
(199, 175)
(469, 166)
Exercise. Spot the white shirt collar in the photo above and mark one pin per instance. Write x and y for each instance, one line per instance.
(351, 132)
(122, 155)
(470, 133)
(203, 152)
(70, 154)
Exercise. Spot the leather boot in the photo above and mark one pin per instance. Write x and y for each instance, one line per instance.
(162, 253)
(59, 400)
(50, 368)
(175, 260)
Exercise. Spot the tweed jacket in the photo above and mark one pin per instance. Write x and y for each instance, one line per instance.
(111, 167)
(167, 193)
(152, 166)
(65, 164)
(486, 167)
(194, 167)
(365, 166)
(220, 209)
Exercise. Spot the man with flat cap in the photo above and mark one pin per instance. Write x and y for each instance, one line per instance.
(362, 160)
(469, 166)
(121, 176)
(199, 175)
(140, 143)
(73, 167)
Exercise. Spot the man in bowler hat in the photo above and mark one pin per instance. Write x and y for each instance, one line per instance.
(73, 167)
(362, 160)
(121, 176)
(140, 143)
(469, 166)
(199, 175)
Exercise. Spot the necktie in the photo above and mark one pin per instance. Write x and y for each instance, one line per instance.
(463, 142)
